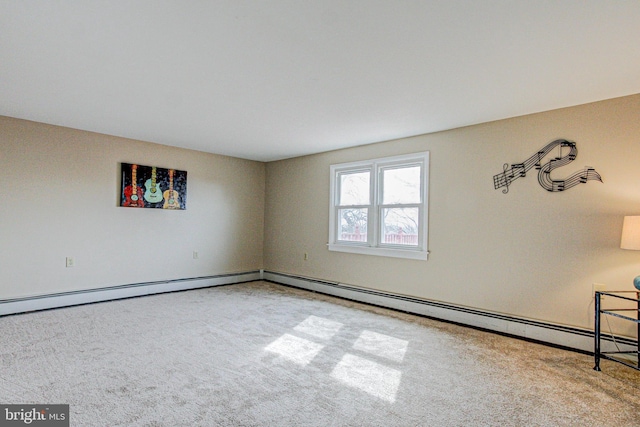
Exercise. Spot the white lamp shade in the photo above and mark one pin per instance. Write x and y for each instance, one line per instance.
(631, 233)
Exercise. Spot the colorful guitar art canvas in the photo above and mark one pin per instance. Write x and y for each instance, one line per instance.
(132, 193)
(171, 196)
(153, 193)
(153, 187)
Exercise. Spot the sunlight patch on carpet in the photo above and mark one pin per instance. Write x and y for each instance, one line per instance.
(319, 327)
(371, 377)
(381, 345)
(295, 349)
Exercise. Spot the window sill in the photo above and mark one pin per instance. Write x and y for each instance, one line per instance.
(386, 252)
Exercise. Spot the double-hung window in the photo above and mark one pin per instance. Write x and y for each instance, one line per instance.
(379, 207)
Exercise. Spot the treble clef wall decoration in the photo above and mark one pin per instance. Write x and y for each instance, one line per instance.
(519, 170)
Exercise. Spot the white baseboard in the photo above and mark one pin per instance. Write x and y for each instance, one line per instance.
(549, 333)
(559, 335)
(64, 299)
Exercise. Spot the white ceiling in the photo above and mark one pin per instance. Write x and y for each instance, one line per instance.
(272, 79)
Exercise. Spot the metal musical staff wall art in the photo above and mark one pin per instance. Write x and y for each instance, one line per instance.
(567, 152)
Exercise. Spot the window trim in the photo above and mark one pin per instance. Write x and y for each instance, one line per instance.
(373, 246)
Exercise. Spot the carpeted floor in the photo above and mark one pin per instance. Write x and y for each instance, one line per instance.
(260, 354)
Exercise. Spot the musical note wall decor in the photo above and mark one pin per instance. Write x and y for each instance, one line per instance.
(567, 152)
(153, 187)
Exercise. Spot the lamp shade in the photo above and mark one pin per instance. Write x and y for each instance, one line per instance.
(631, 233)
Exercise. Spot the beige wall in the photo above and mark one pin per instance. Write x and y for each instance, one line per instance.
(60, 195)
(528, 253)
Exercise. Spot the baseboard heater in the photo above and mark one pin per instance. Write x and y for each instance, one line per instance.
(64, 299)
(558, 335)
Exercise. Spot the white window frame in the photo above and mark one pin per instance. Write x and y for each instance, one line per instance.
(373, 246)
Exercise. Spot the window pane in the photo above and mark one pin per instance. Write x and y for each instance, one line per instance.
(400, 226)
(354, 188)
(401, 185)
(353, 225)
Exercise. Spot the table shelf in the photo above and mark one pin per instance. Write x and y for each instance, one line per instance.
(620, 313)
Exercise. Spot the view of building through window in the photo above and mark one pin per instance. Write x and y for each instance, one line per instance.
(399, 211)
(380, 206)
(400, 201)
(355, 191)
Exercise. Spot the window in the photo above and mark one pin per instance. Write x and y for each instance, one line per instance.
(379, 207)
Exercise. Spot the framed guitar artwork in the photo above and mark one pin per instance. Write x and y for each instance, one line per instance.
(153, 187)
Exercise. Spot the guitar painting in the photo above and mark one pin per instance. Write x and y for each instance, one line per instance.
(151, 195)
(133, 192)
(171, 196)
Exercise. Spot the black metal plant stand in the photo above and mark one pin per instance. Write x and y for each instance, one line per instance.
(616, 312)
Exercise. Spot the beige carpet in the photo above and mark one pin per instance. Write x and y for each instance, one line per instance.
(259, 354)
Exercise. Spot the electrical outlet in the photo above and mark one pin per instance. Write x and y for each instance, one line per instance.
(71, 262)
(195, 254)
